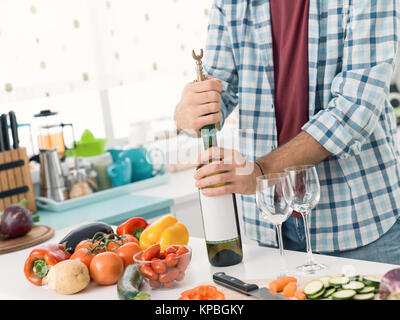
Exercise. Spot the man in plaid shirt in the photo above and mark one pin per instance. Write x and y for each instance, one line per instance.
(341, 121)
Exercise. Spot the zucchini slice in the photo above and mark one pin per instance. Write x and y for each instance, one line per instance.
(345, 294)
(313, 287)
(318, 295)
(338, 281)
(367, 290)
(371, 281)
(329, 292)
(364, 296)
(325, 281)
(355, 285)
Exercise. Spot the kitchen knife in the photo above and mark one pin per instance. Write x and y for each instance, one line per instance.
(14, 129)
(4, 129)
(248, 289)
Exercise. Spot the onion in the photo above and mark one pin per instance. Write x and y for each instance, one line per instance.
(16, 221)
(390, 285)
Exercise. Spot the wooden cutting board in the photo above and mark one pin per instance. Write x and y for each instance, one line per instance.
(233, 295)
(37, 235)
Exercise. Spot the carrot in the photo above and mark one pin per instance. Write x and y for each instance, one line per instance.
(290, 289)
(299, 295)
(277, 285)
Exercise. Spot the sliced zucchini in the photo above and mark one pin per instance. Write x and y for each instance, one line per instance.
(355, 285)
(318, 295)
(325, 281)
(313, 287)
(344, 294)
(338, 281)
(356, 278)
(371, 281)
(329, 292)
(364, 296)
(367, 290)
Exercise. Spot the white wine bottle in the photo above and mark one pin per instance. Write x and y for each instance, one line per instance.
(219, 214)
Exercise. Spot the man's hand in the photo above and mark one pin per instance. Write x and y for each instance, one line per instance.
(232, 170)
(199, 106)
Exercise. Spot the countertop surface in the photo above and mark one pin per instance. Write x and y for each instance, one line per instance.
(258, 263)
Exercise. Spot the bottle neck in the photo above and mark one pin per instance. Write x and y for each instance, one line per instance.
(209, 136)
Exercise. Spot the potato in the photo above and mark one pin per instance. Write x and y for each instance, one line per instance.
(68, 277)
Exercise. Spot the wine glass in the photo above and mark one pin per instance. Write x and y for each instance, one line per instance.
(273, 207)
(302, 192)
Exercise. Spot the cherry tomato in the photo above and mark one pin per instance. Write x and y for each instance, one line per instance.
(154, 283)
(170, 275)
(106, 268)
(127, 251)
(180, 276)
(170, 249)
(151, 252)
(172, 260)
(148, 272)
(158, 265)
(183, 262)
(182, 250)
(169, 284)
(83, 255)
(114, 244)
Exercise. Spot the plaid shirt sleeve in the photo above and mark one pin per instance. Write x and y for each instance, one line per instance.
(360, 89)
(219, 61)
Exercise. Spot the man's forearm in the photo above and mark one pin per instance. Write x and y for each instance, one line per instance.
(302, 149)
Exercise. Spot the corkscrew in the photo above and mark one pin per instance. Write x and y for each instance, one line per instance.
(199, 65)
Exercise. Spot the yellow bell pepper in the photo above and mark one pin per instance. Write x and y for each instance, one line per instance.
(166, 231)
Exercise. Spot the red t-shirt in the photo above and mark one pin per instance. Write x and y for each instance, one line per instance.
(290, 46)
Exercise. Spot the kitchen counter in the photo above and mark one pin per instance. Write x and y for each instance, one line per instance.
(258, 263)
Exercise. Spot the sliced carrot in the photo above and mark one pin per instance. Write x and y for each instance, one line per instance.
(299, 295)
(290, 289)
(277, 285)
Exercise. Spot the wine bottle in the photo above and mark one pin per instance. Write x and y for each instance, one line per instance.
(219, 214)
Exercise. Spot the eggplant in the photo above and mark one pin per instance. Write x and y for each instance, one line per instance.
(87, 231)
(16, 221)
(390, 285)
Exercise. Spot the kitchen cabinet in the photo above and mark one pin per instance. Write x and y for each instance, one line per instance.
(258, 263)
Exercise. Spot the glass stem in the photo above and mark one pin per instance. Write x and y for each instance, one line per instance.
(306, 214)
(284, 269)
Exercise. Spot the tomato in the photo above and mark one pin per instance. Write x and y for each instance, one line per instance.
(170, 249)
(182, 250)
(168, 284)
(87, 243)
(154, 283)
(158, 266)
(106, 268)
(83, 255)
(180, 276)
(127, 251)
(172, 260)
(114, 244)
(204, 292)
(170, 275)
(148, 272)
(151, 252)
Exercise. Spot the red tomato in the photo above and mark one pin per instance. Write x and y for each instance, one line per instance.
(151, 252)
(172, 260)
(106, 268)
(83, 255)
(127, 251)
(170, 249)
(158, 266)
(88, 244)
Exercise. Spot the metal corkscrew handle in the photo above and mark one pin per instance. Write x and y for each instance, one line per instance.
(199, 65)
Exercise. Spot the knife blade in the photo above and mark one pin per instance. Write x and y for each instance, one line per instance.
(4, 129)
(249, 289)
(14, 129)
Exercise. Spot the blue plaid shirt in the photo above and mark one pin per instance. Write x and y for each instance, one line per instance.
(352, 50)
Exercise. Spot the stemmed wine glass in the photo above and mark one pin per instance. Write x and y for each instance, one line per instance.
(302, 192)
(273, 207)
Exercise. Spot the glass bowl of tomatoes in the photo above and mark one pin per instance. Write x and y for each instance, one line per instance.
(162, 269)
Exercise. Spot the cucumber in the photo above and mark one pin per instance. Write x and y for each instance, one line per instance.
(318, 295)
(325, 281)
(371, 281)
(355, 285)
(367, 290)
(364, 296)
(129, 284)
(345, 294)
(338, 281)
(313, 287)
(329, 292)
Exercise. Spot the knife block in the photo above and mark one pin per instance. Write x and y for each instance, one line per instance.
(15, 179)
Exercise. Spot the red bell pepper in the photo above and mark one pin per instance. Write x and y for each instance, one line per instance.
(41, 259)
(133, 226)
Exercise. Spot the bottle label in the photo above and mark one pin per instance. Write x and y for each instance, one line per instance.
(219, 218)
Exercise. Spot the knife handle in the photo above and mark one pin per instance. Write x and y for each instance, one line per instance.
(4, 127)
(233, 283)
(14, 129)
